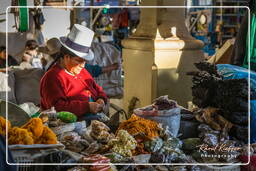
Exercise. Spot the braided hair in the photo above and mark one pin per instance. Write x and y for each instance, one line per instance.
(57, 56)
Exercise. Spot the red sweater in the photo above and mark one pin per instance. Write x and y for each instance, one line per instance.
(67, 92)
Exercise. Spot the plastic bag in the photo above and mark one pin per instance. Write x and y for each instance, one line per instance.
(103, 117)
(143, 158)
(64, 128)
(70, 136)
(80, 127)
(51, 112)
(116, 158)
(100, 132)
(87, 135)
(93, 148)
(153, 145)
(161, 107)
(30, 108)
(168, 118)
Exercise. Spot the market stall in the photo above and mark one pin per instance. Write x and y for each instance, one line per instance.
(160, 131)
(153, 134)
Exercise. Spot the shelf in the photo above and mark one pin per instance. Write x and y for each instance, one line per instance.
(56, 4)
(230, 26)
(227, 36)
(230, 15)
(227, 1)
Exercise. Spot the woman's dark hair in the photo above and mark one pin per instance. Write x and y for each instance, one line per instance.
(57, 56)
(2, 48)
(65, 51)
(31, 45)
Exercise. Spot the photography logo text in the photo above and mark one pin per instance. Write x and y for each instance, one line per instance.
(219, 151)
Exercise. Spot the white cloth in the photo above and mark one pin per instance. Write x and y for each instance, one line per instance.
(106, 54)
(7, 83)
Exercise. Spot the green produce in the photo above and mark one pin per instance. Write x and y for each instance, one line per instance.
(173, 143)
(153, 145)
(67, 117)
(115, 157)
(191, 143)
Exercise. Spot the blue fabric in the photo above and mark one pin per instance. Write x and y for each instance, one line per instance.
(94, 70)
(3, 165)
(235, 72)
(88, 117)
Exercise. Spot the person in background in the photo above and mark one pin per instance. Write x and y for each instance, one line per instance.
(3, 59)
(67, 85)
(31, 58)
(96, 70)
(239, 55)
(52, 50)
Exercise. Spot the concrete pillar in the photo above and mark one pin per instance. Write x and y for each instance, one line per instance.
(158, 55)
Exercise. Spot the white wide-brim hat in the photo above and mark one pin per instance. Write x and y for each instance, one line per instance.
(79, 41)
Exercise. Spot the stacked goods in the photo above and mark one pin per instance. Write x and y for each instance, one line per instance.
(142, 129)
(212, 117)
(20, 136)
(230, 97)
(137, 125)
(73, 141)
(154, 140)
(163, 111)
(96, 159)
(100, 132)
(220, 140)
(35, 126)
(33, 132)
(123, 144)
(47, 137)
(210, 89)
(166, 149)
(98, 135)
(204, 84)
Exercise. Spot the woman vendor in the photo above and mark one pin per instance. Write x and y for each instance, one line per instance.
(67, 85)
(52, 49)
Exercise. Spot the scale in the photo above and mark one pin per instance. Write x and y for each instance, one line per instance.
(16, 115)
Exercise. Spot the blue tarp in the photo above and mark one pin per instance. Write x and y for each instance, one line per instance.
(235, 72)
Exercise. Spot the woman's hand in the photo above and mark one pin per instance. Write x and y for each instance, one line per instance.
(95, 107)
(101, 102)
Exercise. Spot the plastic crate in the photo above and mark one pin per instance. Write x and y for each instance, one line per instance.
(25, 155)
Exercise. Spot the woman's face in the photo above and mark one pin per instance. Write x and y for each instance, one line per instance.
(74, 65)
(32, 52)
(3, 55)
(27, 57)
